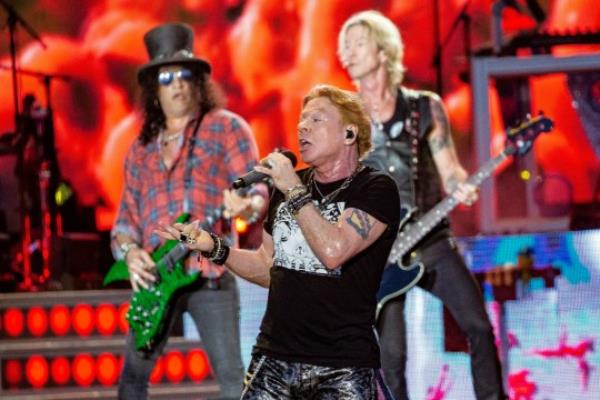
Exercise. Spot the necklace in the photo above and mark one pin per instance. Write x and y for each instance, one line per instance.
(378, 107)
(376, 118)
(165, 139)
(327, 199)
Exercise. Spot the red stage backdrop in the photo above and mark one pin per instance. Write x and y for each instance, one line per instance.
(266, 54)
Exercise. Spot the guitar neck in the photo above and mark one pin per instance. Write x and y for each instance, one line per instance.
(180, 250)
(433, 217)
(177, 253)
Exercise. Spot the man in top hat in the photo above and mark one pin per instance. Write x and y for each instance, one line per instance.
(188, 152)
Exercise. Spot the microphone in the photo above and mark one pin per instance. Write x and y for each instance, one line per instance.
(255, 176)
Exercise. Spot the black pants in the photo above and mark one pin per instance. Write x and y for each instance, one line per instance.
(446, 277)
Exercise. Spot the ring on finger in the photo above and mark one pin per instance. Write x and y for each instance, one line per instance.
(136, 276)
(183, 237)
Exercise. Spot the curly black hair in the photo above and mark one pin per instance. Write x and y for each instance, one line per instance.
(211, 97)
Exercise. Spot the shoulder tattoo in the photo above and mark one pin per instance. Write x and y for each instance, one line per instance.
(361, 223)
(442, 138)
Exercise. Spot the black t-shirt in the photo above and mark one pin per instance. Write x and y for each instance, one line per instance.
(320, 316)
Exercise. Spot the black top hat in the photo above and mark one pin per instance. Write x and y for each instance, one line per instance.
(171, 43)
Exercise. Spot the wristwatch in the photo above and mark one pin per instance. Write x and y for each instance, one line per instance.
(126, 246)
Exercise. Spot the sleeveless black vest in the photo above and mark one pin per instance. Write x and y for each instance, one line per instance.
(400, 148)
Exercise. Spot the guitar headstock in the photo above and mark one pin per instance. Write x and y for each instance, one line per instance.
(519, 140)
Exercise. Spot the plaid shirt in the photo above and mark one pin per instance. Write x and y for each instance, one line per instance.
(222, 149)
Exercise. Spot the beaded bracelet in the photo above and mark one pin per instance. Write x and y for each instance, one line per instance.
(220, 251)
(220, 259)
(216, 245)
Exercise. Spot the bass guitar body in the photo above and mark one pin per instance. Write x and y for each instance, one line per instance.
(401, 276)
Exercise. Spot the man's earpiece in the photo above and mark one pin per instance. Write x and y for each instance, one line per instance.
(349, 134)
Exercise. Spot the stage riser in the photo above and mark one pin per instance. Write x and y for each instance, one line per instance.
(41, 371)
(184, 391)
(69, 314)
(82, 334)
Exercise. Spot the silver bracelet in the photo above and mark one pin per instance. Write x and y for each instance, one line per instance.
(253, 218)
(126, 247)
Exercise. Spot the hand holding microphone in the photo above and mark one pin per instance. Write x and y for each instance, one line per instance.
(280, 168)
(260, 175)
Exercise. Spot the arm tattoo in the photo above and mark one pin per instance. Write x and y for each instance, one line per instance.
(437, 143)
(440, 140)
(451, 183)
(360, 222)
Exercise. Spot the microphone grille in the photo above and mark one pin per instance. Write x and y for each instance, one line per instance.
(291, 156)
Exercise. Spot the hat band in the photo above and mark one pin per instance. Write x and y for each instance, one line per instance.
(185, 53)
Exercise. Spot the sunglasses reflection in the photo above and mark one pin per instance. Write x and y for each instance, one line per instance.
(165, 78)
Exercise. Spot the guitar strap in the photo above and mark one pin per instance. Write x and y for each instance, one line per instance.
(187, 175)
(416, 105)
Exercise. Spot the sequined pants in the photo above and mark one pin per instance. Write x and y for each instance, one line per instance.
(271, 379)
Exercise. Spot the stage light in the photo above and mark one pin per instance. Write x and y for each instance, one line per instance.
(62, 194)
(525, 175)
(37, 321)
(106, 319)
(122, 321)
(14, 322)
(36, 371)
(197, 365)
(60, 370)
(158, 371)
(241, 226)
(107, 369)
(175, 366)
(83, 320)
(13, 372)
(83, 369)
(60, 320)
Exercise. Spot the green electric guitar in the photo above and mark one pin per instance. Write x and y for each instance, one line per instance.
(149, 308)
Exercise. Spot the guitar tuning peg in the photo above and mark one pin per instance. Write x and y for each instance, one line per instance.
(528, 116)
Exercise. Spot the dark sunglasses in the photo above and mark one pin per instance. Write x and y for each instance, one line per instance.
(165, 78)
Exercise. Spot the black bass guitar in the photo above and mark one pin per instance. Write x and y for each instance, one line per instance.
(404, 270)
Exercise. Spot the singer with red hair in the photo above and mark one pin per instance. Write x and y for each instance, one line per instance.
(326, 239)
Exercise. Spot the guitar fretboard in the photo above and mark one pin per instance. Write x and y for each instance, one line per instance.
(408, 238)
(180, 251)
